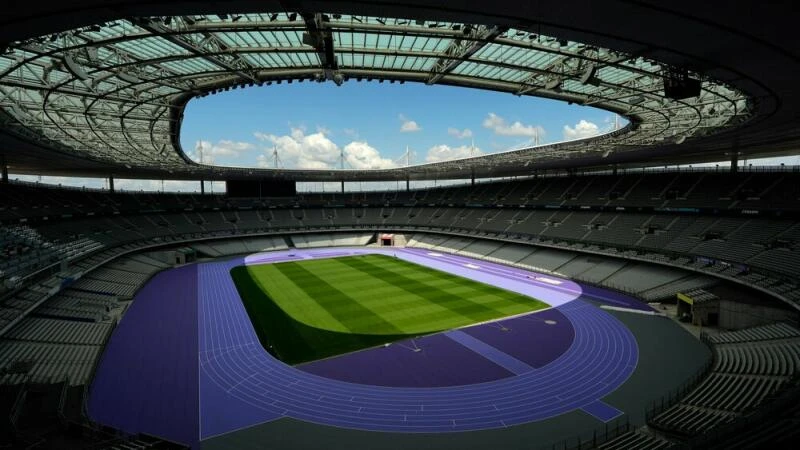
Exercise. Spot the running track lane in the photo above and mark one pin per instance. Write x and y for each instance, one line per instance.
(239, 377)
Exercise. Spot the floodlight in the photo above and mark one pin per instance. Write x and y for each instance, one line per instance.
(75, 69)
(552, 84)
(588, 75)
(636, 100)
(127, 77)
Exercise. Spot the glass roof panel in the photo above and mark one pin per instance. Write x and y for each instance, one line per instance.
(139, 70)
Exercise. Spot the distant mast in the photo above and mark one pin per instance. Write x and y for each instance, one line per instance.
(275, 156)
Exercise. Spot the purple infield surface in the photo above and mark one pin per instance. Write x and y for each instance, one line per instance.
(147, 379)
(512, 371)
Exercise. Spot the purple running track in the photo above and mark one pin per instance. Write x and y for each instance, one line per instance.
(579, 354)
(602, 356)
(438, 362)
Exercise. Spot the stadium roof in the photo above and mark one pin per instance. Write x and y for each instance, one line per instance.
(108, 96)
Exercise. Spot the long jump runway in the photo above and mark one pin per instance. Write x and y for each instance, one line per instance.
(499, 374)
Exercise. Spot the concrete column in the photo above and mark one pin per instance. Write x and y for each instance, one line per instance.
(735, 155)
(408, 185)
(202, 187)
(111, 183)
(342, 186)
(5, 168)
(735, 160)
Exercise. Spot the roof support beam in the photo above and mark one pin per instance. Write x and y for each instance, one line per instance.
(318, 36)
(461, 50)
(238, 66)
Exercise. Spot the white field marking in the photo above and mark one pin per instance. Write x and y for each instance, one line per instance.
(500, 319)
(471, 266)
(434, 254)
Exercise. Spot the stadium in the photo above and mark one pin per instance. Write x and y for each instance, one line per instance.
(636, 288)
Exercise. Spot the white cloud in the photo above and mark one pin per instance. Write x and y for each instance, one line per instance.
(316, 151)
(223, 150)
(443, 152)
(459, 134)
(582, 129)
(500, 126)
(408, 125)
(300, 150)
(361, 155)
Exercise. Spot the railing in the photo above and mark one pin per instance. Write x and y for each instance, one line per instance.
(95, 363)
(593, 438)
(676, 395)
(687, 386)
(771, 408)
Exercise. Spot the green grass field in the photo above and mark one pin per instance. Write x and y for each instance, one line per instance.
(307, 310)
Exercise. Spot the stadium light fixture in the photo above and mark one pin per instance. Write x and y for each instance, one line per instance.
(127, 77)
(588, 76)
(552, 84)
(635, 100)
(75, 69)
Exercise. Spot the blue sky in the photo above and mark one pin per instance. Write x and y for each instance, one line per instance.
(311, 123)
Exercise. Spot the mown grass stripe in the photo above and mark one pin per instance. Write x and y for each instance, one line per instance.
(338, 304)
(277, 285)
(455, 303)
